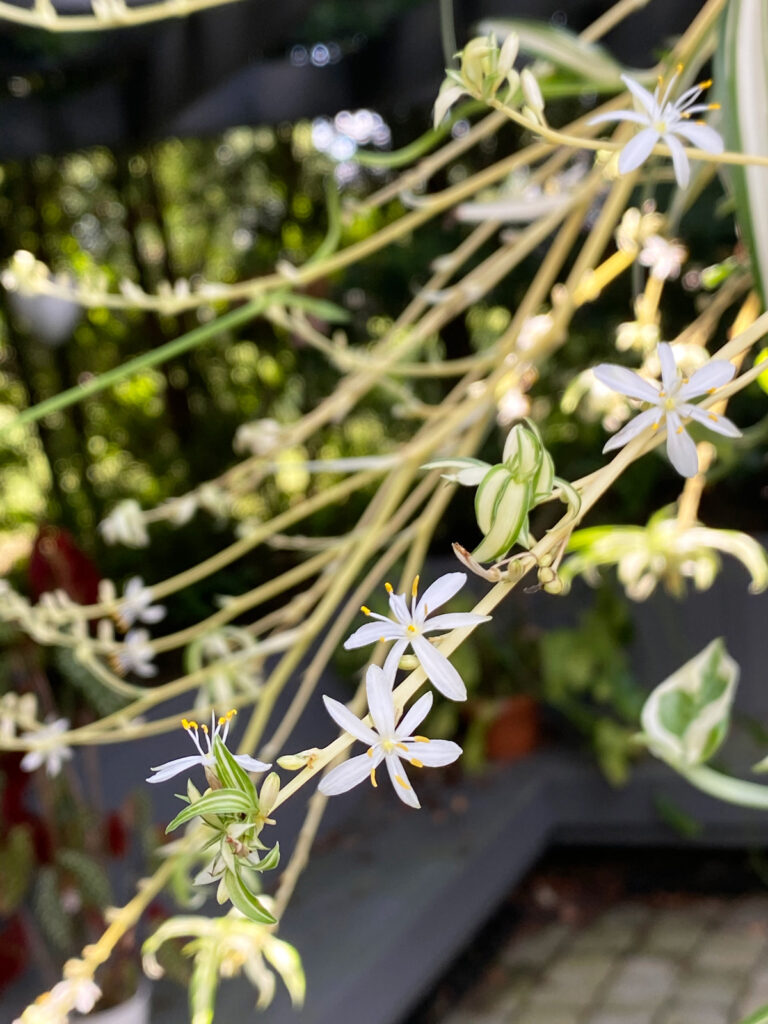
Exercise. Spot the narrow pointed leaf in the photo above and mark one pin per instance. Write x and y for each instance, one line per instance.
(231, 774)
(245, 901)
(220, 801)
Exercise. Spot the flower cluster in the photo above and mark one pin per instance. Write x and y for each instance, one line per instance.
(392, 738)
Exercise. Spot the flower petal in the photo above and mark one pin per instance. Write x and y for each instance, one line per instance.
(637, 150)
(453, 620)
(153, 614)
(400, 781)
(702, 136)
(440, 671)
(351, 773)
(399, 608)
(679, 160)
(415, 715)
(350, 723)
(633, 428)
(176, 767)
(643, 97)
(378, 687)
(680, 447)
(442, 590)
(393, 659)
(710, 420)
(434, 753)
(251, 764)
(669, 375)
(626, 382)
(708, 378)
(372, 632)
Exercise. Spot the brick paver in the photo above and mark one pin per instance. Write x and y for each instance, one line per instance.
(704, 961)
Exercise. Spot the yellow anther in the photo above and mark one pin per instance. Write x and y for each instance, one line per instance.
(415, 587)
(662, 393)
(416, 763)
(656, 425)
(189, 724)
(402, 782)
(205, 729)
(382, 640)
(420, 739)
(680, 429)
(388, 587)
(679, 68)
(365, 610)
(402, 746)
(711, 391)
(713, 417)
(369, 751)
(411, 628)
(714, 106)
(660, 79)
(705, 84)
(374, 783)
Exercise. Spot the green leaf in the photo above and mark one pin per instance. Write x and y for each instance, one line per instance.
(203, 986)
(487, 496)
(509, 517)
(741, 76)
(17, 862)
(246, 901)
(231, 774)
(270, 861)
(218, 801)
(758, 1017)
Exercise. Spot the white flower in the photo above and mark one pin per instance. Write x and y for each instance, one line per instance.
(512, 406)
(136, 605)
(51, 754)
(179, 511)
(205, 757)
(663, 119)
(386, 741)
(125, 525)
(669, 404)
(134, 654)
(410, 626)
(663, 257)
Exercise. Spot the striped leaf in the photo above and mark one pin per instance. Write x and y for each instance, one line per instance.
(741, 71)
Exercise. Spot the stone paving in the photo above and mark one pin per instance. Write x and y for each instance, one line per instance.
(703, 961)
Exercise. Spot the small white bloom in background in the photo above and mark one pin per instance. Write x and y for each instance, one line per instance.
(663, 257)
(135, 654)
(214, 500)
(179, 511)
(79, 994)
(513, 405)
(52, 754)
(125, 525)
(386, 741)
(411, 624)
(533, 330)
(205, 757)
(664, 120)
(637, 336)
(136, 605)
(259, 437)
(636, 226)
(670, 405)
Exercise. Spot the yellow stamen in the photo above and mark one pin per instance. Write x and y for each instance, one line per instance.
(402, 782)
(374, 783)
(711, 391)
(411, 628)
(680, 68)
(415, 587)
(388, 587)
(662, 393)
(365, 610)
(369, 751)
(382, 640)
(656, 425)
(714, 106)
(680, 429)
(705, 84)
(420, 739)
(416, 763)
(205, 728)
(189, 724)
(713, 417)
(402, 746)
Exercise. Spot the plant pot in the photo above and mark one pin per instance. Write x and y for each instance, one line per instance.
(515, 730)
(133, 1011)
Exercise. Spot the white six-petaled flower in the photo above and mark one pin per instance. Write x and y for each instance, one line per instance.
(662, 257)
(670, 404)
(410, 625)
(135, 654)
(51, 753)
(136, 605)
(663, 119)
(386, 741)
(125, 525)
(205, 757)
